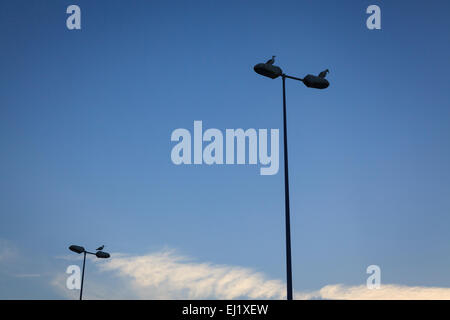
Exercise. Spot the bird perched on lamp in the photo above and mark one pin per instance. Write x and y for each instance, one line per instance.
(323, 74)
(100, 248)
(271, 61)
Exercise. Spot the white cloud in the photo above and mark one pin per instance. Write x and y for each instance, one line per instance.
(27, 275)
(7, 251)
(167, 275)
(386, 292)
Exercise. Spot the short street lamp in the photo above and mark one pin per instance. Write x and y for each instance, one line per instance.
(269, 70)
(99, 254)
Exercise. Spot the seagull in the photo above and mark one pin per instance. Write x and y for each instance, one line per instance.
(323, 74)
(271, 61)
(100, 248)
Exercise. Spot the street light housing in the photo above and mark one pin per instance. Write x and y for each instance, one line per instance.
(315, 82)
(268, 70)
(77, 249)
(102, 255)
(99, 254)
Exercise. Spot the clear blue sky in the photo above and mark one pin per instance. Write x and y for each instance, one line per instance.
(86, 118)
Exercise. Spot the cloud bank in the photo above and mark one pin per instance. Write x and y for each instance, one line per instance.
(167, 275)
(386, 292)
(7, 251)
(182, 278)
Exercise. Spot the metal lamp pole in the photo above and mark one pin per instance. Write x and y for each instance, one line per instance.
(82, 276)
(318, 82)
(286, 199)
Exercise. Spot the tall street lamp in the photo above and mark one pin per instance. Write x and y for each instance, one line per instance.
(99, 254)
(269, 70)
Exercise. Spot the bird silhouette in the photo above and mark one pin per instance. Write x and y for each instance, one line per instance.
(271, 61)
(323, 74)
(100, 248)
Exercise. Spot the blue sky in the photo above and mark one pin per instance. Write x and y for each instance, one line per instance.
(86, 118)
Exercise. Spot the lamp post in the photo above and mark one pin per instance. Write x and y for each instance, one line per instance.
(99, 254)
(318, 82)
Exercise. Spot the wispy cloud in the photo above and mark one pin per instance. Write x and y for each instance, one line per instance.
(27, 275)
(183, 278)
(168, 275)
(385, 292)
(7, 251)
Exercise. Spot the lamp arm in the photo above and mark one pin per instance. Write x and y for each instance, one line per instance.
(291, 77)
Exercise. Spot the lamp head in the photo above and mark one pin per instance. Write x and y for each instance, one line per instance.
(268, 70)
(77, 249)
(102, 255)
(315, 82)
